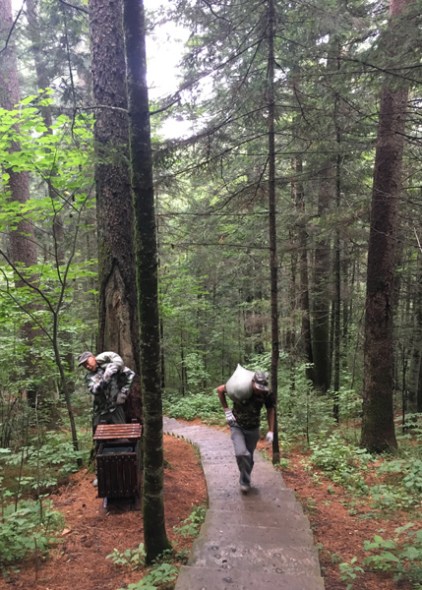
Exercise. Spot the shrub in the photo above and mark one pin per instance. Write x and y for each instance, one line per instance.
(27, 530)
(200, 405)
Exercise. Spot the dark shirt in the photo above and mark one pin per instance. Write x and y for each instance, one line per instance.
(248, 412)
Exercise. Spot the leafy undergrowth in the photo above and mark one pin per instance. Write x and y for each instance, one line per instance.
(365, 512)
(102, 548)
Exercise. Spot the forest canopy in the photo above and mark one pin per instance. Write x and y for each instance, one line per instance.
(287, 214)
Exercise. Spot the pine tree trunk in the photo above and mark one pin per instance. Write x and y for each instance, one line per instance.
(155, 536)
(337, 301)
(378, 433)
(299, 201)
(272, 219)
(321, 297)
(118, 320)
(416, 353)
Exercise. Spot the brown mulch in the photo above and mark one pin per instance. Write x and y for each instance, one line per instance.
(339, 534)
(92, 532)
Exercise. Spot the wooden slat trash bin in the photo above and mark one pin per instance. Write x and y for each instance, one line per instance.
(118, 459)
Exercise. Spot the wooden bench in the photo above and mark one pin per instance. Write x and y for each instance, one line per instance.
(118, 459)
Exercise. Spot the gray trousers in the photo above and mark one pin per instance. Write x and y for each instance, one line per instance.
(244, 442)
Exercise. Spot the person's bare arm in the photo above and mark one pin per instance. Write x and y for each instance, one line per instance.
(221, 391)
(230, 418)
(271, 424)
(271, 419)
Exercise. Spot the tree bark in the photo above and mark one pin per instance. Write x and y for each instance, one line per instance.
(272, 219)
(378, 433)
(299, 203)
(118, 319)
(155, 536)
(415, 367)
(321, 297)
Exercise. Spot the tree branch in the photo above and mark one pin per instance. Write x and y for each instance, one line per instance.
(79, 8)
(11, 30)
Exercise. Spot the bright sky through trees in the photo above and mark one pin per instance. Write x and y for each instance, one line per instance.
(164, 51)
(164, 47)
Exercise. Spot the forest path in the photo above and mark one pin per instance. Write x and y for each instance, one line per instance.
(257, 541)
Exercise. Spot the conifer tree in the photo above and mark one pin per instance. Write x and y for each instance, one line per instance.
(378, 433)
(118, 319)
(155, 536)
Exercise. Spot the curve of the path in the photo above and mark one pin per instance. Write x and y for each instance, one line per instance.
(257, 541)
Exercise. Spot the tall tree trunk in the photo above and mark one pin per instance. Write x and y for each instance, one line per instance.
(272, 218)
(378, 432)
(298, 196)
(321, 298)
(416, 353)
(118, 319)
(290, 338)
(299, 203)
(326, 351)
(155, 536)
(337, 260)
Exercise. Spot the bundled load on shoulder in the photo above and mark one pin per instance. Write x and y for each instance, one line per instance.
(239, 386)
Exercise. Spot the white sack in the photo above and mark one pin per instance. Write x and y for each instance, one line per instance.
(239, 386)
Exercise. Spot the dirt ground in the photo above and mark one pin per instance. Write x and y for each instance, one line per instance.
(339, 535)
(92, 532)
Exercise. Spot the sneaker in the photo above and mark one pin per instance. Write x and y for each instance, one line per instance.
(244, 488)
(95, 483)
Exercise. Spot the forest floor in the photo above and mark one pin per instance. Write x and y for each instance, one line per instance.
(92, 532)
(340, 524)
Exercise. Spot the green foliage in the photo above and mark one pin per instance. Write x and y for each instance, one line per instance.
(27, 529)
(161, 577)
(412, 426)
(400, 489)
(207, 407)
(16, 418)
(390, 497)
(303, 413)
(191, 525)
(131, 558)
(163, 574)
(401, 555)
(38, 466)
(194, 366)
(342, 462)
(349, 572)
(404, 477)
(350, 402)
(56, 450)
(60, 157)
(412, 479)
